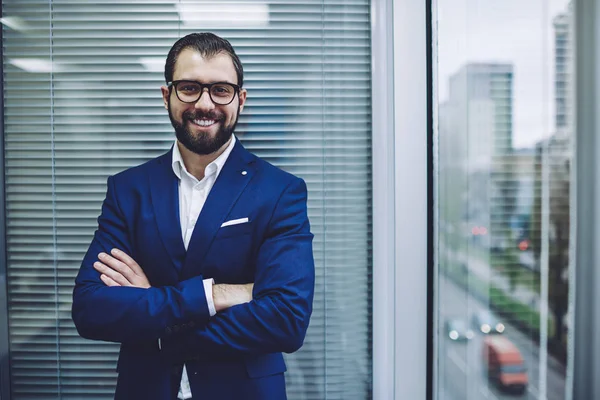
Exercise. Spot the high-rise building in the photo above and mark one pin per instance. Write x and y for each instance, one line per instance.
(563, 69)
(483, 92)
(476, 130)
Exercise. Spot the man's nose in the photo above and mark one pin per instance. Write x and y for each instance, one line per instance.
(204, 102)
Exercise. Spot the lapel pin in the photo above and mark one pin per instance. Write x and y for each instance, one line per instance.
(244, 173)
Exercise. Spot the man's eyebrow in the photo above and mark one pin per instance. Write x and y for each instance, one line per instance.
(206, 83)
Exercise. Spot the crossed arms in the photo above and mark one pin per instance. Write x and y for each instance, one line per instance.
(119, 269)
(275, 319)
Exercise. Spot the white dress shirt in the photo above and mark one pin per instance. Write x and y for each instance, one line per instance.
(192, 196)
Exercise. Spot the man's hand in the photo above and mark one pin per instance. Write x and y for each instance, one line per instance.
(118, 269)
(225, 295)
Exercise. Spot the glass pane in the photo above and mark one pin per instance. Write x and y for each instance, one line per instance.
(82, 101)
(504, 133)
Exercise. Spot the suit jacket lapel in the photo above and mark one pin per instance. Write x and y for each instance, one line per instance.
(233, 178)
(164, 191)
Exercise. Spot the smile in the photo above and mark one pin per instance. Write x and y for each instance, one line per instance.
(204, 122)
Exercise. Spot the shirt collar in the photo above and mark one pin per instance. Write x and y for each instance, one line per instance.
(216, 165)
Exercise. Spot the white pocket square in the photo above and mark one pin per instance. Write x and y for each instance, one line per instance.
(235, 222)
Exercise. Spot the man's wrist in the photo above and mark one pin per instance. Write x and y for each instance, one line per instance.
(220, 297)
(208, 290)
(226, 295)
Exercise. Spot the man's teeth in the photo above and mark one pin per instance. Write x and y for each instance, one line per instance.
(204, 122)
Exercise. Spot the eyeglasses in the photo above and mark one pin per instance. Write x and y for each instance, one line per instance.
(221, 93)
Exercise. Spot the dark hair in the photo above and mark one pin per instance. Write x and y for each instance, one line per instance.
(208, 45)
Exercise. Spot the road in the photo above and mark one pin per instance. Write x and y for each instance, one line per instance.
(461, 376)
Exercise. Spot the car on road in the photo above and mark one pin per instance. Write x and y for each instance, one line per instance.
(458, 330)
(504, 365)
(487, 323)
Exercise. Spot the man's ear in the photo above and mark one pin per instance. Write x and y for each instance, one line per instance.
(242, 95)
(165, 94)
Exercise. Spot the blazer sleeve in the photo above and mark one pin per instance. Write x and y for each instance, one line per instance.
(277, 318)
(127, 314)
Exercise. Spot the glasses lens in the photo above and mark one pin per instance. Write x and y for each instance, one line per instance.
(188, 91)
(222, 93)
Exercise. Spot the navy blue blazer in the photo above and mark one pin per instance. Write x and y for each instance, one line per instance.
(237, 353)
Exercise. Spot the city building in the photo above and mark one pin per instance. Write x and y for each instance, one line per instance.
(475, 126)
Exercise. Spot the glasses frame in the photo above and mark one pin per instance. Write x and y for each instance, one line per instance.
(173, 84)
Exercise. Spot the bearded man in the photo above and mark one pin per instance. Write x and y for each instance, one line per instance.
(201, 266)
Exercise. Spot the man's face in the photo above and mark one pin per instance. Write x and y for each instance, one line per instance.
(203, 127)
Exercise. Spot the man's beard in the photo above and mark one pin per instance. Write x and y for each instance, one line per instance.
(202, 143)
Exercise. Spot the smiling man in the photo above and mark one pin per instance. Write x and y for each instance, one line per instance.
(201, 266)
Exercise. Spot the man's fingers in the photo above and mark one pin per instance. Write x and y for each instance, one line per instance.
(122, 269)
(109, 272)
(108, 281)
(118, 266)
(125, 258)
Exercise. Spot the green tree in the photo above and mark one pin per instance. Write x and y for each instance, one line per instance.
(559, 227)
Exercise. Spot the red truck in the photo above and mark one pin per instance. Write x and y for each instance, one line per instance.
(504, 364)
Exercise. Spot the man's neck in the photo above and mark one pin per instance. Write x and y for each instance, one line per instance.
(196, 163)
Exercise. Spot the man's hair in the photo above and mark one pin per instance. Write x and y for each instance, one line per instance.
(208, 45)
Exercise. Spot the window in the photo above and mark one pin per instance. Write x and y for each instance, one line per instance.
(82, 101)
(503, 195)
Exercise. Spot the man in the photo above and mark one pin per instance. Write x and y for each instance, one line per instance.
(202, 263)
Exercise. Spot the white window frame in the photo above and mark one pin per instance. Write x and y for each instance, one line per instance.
(400, 199)
(584, 352)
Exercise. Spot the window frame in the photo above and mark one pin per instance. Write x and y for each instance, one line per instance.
(402, 145)
(584, 350)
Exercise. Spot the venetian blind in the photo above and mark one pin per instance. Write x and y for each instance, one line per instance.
(82, 101)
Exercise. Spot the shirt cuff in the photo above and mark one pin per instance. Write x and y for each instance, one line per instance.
(208, 286)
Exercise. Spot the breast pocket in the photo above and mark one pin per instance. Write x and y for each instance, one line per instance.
(244, 228)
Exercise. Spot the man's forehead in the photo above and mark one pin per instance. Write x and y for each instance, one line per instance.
(192, 62)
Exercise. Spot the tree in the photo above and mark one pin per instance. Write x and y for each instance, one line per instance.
(559, 226)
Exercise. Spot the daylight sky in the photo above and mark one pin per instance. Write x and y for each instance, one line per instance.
(508, 31)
